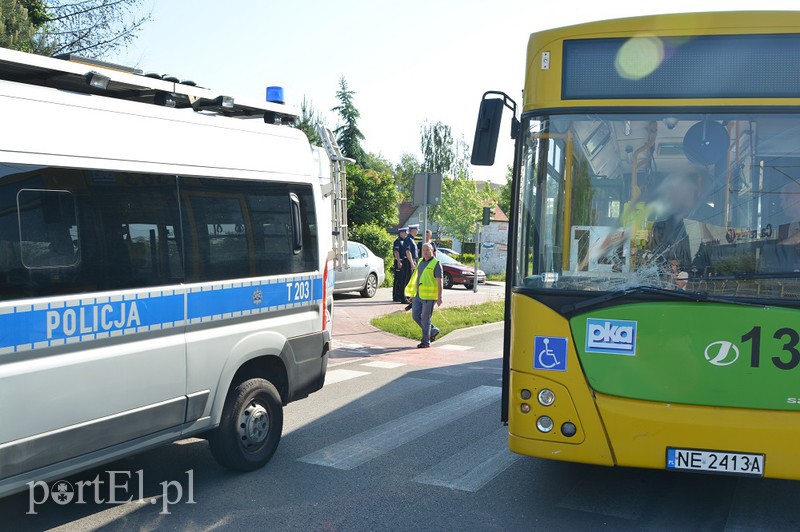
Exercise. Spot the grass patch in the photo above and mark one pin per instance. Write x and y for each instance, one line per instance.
(500, 277)
(447, 320)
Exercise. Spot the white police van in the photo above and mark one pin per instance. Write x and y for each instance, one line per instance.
(165, 268)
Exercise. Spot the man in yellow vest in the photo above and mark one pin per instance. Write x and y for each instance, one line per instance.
(425, 290)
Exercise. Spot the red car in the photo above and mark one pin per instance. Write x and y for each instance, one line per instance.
(456, 273)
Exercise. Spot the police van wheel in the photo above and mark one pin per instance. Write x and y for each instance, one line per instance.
(371, 286)
(250, 428)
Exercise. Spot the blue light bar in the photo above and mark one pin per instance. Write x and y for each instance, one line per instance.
(275, 94)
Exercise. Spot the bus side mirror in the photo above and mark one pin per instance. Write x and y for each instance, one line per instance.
(486, 132)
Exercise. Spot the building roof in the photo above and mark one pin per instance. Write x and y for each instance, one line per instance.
(404, 212)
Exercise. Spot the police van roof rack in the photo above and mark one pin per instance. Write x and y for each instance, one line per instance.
(88, 76)
(338, 195)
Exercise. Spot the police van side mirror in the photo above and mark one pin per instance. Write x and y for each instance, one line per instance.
(486, 132)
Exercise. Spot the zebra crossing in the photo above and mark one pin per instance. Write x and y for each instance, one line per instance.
(482, 458)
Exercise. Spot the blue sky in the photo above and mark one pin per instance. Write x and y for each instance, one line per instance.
(408, 61)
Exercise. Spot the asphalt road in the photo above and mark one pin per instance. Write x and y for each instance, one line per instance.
(404, 439)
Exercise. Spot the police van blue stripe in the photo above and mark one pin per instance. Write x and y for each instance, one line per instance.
(26, 327)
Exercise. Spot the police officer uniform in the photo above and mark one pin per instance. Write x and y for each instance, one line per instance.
(397, 251)
(410, 246)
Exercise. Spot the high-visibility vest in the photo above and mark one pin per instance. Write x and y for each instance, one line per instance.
(428, 287)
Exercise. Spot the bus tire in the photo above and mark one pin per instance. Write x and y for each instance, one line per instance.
(250, 428)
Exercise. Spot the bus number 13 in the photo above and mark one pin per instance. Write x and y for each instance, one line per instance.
(790, 346)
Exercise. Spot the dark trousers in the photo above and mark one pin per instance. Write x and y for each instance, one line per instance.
(402, 278)
(398, 286)
(421, 312)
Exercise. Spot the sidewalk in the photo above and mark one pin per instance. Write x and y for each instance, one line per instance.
(353, 336)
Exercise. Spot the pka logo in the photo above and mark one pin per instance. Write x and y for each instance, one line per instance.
(616, 337)
(721, 353)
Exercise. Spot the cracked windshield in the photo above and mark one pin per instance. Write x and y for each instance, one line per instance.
(706, 203)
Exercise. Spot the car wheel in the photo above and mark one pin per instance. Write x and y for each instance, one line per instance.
(447, 281)
(468, 286)
(250, 428)
(371, 287)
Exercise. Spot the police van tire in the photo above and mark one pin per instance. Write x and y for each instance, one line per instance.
(371, 286)
(250, 428)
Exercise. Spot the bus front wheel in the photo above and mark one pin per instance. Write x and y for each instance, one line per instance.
(250, 428)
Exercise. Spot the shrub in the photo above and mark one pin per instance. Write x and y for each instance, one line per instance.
(444, 242)
(379, 241)
(467, 258)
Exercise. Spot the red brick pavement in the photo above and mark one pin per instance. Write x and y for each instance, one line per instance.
(354, 338)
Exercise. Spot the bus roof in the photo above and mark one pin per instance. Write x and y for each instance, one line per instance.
(543, 85)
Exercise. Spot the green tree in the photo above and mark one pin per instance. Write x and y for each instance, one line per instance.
(504, 198)
(379, 163)
(91, 28)
(309, 120)
(461, 156)
(348, 135)
(371, 197)
(436, 144)
(16, 27)
(404, 175)
(460, 209)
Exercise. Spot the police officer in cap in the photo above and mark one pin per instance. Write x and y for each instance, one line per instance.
(397, 251)
(409, 254)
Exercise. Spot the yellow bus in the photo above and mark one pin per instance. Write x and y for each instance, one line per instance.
(653, 305)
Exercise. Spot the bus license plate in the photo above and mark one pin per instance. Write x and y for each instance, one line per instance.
(720, 462)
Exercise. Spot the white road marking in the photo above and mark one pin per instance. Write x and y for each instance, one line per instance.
(475, 466)
(454, 347)
(388, 394)
(339, 375)
(383, 365)
(361, 448)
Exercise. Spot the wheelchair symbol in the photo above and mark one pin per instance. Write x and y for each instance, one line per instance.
(546, 353)
(550, 353)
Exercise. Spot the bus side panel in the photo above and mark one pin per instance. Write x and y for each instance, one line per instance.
(543, 356)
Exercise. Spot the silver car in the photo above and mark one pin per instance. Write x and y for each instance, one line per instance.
(364, 272)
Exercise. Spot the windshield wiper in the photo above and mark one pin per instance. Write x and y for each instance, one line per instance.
(674, 294)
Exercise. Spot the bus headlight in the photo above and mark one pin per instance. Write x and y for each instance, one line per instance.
(525, 394)
(546, 397)
(525, 408)
(544, 424)
(568, 429)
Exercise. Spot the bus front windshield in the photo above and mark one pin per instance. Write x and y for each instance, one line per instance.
(705, 203)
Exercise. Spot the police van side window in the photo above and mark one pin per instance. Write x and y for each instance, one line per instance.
(135, 230)
(48, 229)
(238, 228)
(73, 231)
